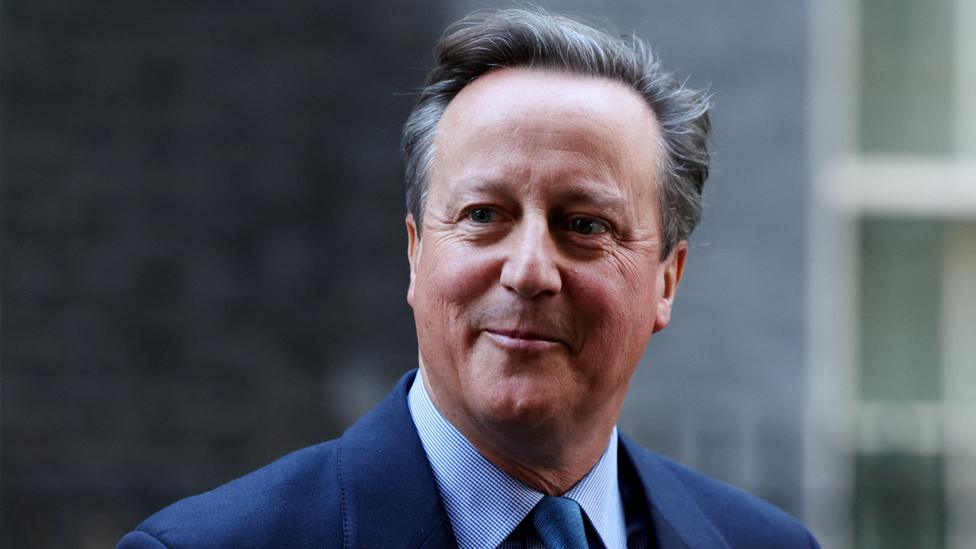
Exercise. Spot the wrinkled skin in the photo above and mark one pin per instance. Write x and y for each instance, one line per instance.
(536, 280)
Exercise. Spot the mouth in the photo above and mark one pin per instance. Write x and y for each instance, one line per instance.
(524, 340)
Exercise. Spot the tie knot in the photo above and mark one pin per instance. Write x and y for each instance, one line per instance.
(559, 523)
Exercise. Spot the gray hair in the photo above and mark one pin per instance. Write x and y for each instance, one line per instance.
(487, 40)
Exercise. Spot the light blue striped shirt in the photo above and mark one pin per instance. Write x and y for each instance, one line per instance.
(485, 504)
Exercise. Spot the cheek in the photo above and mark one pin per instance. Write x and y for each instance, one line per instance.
(447, 286)
(619, 313)
(640, 286)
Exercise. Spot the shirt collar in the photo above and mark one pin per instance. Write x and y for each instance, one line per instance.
(485, 504)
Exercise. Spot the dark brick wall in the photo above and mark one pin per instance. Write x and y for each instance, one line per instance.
(202, 227)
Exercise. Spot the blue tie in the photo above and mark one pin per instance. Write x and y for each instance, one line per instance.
(559, 523)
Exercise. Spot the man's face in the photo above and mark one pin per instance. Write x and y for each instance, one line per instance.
(537, 280)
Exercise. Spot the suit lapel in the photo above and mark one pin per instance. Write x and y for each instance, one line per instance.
(389, 495)
(677, 520)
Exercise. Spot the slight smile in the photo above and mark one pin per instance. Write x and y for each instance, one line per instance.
(525, 341)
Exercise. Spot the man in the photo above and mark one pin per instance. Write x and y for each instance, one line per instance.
(554, 174)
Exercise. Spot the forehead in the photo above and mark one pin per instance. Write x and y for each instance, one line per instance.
(504, 92)
(536, 120)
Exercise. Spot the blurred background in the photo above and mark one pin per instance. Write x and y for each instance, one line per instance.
(204, 262)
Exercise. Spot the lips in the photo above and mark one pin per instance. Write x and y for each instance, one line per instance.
(524, 340)
(524, 334)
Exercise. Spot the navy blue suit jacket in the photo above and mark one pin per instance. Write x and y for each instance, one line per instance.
(373, 487)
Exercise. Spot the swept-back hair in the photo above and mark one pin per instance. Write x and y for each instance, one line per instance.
(488, 40)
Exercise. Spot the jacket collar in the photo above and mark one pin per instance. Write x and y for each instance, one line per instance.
(389, 495)
(677, 520)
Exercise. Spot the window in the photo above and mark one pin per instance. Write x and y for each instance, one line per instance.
(891, 447)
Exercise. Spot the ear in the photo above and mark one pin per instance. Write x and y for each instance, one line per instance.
(413, 253)
(671, 270)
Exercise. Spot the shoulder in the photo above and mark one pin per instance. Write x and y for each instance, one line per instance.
(744, 519)
(371, 485)
(293, 501)
(740, 518)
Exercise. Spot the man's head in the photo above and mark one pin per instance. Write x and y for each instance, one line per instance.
(485, 41)
(539, 262)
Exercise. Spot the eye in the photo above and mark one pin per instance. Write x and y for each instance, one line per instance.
(587, 226)
(480, 215)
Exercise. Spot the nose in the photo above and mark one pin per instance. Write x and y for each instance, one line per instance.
(530, 268)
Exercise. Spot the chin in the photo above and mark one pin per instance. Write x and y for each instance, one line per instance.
(519, 407)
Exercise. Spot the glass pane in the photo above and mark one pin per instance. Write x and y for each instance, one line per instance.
(959, 315)
(901, 296)
(907, 76)
(899, 502)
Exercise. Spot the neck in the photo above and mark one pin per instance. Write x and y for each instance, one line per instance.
(552, 468)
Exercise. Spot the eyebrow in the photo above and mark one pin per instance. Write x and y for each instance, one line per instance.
(477, 186)
(574, 193)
